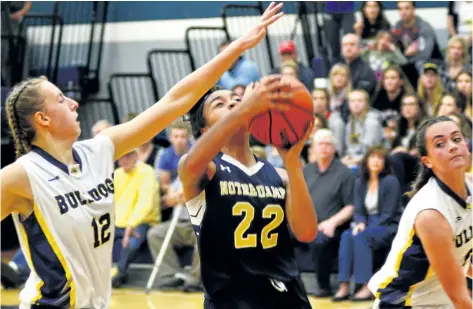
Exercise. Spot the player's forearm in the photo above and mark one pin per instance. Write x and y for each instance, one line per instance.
(210, 144)
(176, 103)
(465, 301)
(300, 210)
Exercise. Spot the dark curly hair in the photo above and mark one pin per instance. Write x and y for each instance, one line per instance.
(196, 114)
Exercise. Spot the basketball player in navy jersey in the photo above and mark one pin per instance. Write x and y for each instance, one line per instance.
(61, 192)
(242, 208)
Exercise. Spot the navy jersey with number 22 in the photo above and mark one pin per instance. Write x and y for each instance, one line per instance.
(239, 219)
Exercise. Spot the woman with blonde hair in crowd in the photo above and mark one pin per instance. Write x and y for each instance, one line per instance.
(463, 89)
(456, 61)
(339, 87)
(363, 128)
(430, 88)
(389, 92)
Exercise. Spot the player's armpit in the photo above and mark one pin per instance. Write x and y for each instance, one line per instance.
(15, 187)
(435, 234)
(192, 183)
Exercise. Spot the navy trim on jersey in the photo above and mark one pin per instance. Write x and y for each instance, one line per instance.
(447, 190)
(47, 266)
(55, 162)
(413, 269)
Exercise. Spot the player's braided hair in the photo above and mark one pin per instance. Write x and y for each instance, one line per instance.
(196, 114)
(23, 101)
(423, 172)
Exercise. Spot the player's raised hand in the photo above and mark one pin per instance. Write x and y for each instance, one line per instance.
(269, 93)
(257, 33)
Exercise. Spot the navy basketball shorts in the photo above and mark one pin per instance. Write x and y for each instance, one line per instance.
(260, 293)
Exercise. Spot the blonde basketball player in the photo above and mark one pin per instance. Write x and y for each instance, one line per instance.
(61, 191)
(431, 253)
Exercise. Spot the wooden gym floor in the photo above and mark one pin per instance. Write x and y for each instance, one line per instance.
(128, 298)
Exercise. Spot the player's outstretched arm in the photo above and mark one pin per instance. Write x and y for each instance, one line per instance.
(258, 97)
(300, 210)
(435, 234)
(180, 99)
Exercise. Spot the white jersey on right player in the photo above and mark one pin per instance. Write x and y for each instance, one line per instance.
(407, 279)
(68, 239)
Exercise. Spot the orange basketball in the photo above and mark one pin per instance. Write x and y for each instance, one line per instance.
(283, 129)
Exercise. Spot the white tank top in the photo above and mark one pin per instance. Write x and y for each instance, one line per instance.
(68, 238)
(407, 277)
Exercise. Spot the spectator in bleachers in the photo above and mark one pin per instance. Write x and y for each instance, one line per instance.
(362, 77)
(414, 36)
(168, 159)
(331, 187)
(404, 165)
(171, 275)
(363, 129)
(383, 54)
(456, 62)
(448, 104)
(377, 212)
(99, 126)
(460, 20)
(239, 90)
(136, 209)
(289, 68)
(389, 92)
(179, 136)
(320, 100)
(288, 52)
(462, 122)
(319, 123)
(409, 120)
(339, 86)
(242, 72)
(430, 89)
(463, 89)
(372, 22)
(12, 15)
(148, 152)
(336, 25)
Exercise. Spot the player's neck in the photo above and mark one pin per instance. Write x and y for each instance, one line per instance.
(60, 150)
(239, 149)
(455, 181)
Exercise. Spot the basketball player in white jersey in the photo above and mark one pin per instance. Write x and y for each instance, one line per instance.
(431, 253)
(61, 192)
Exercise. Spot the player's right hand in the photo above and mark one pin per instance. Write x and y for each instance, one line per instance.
(269, 93)
(257, 33)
